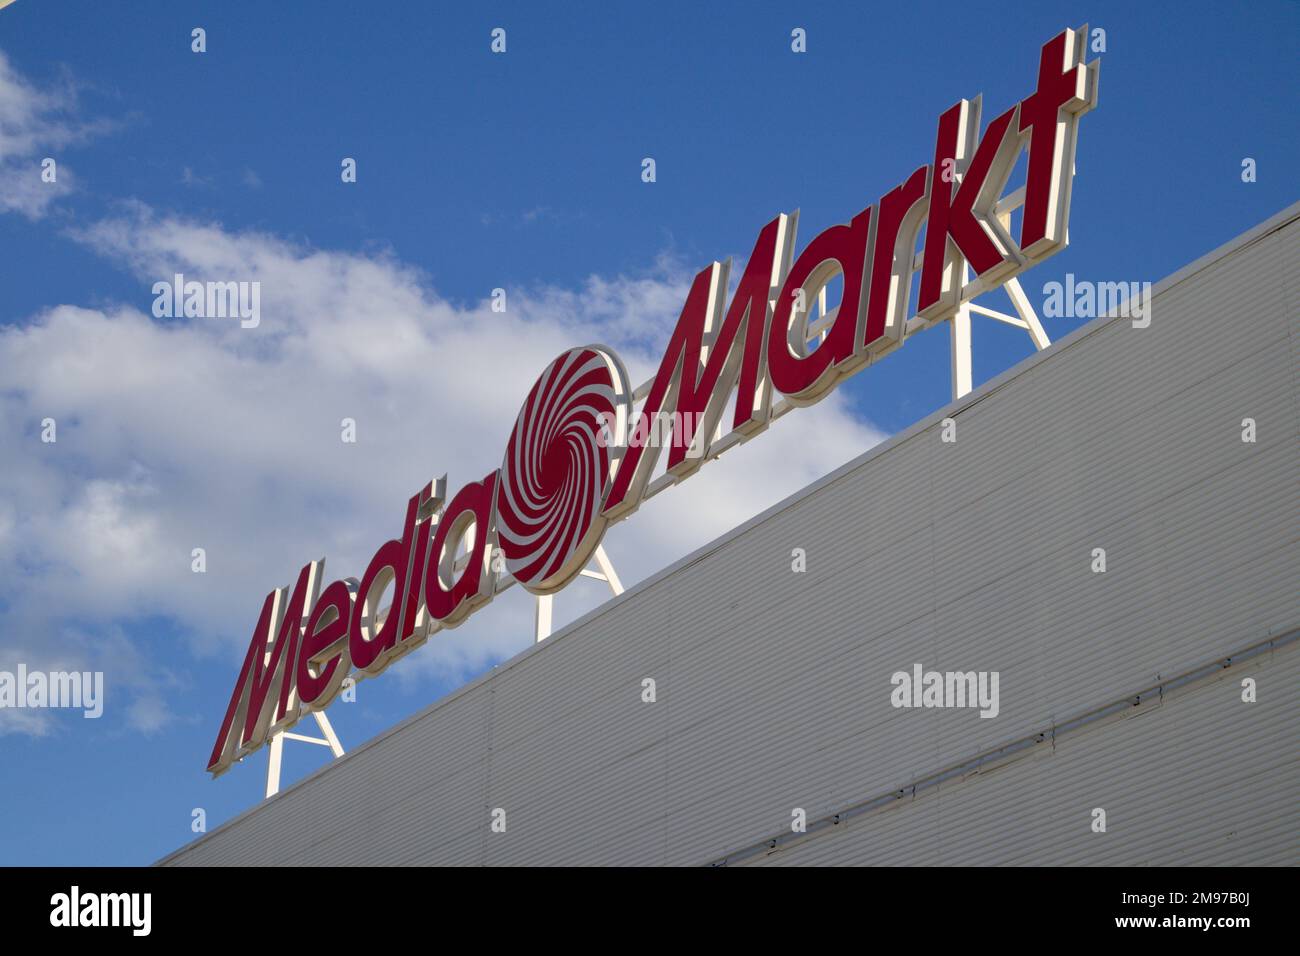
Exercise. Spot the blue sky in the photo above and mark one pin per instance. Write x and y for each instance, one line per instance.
(475, 171)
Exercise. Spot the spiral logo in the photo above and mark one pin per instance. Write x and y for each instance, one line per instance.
(557, 468)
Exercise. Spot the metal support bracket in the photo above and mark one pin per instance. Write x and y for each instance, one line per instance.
(604, 572)
(328, 739)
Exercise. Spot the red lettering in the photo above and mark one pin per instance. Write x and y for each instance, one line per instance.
(450, 599)
(902, 210)
(223, 753)
(960, 226)
(802, 376)
(1050, 116)
(400, 563)
(269, 666)
(323, 659)
(697, 381)
(278, 667)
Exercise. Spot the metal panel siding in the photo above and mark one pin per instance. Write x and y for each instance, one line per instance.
(1201, 778)
(773, 687)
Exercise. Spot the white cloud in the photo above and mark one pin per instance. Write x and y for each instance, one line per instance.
(35, 123)
(190, 178)
(176, 434)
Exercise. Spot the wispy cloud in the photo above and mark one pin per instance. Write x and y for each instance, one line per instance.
(35, 123)
(190, 178)
(176, 435)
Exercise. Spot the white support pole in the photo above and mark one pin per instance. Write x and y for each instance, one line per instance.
(607, 569)
(1025, 310)
(543, 619)
(1000, 316)
(327, 730)
(273, 765)
(545, 602)
(328, 739)
(961, 353)
(961, 344)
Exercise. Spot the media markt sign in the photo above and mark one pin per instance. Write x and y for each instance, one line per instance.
(572, 464)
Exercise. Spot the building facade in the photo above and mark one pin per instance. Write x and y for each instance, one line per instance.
(1160, 691)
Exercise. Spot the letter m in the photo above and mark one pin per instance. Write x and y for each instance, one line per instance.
(703, 362)
(223, 300)
(268, 674)
(1110, 296)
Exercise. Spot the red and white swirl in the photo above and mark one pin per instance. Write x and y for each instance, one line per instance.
(557, 468)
